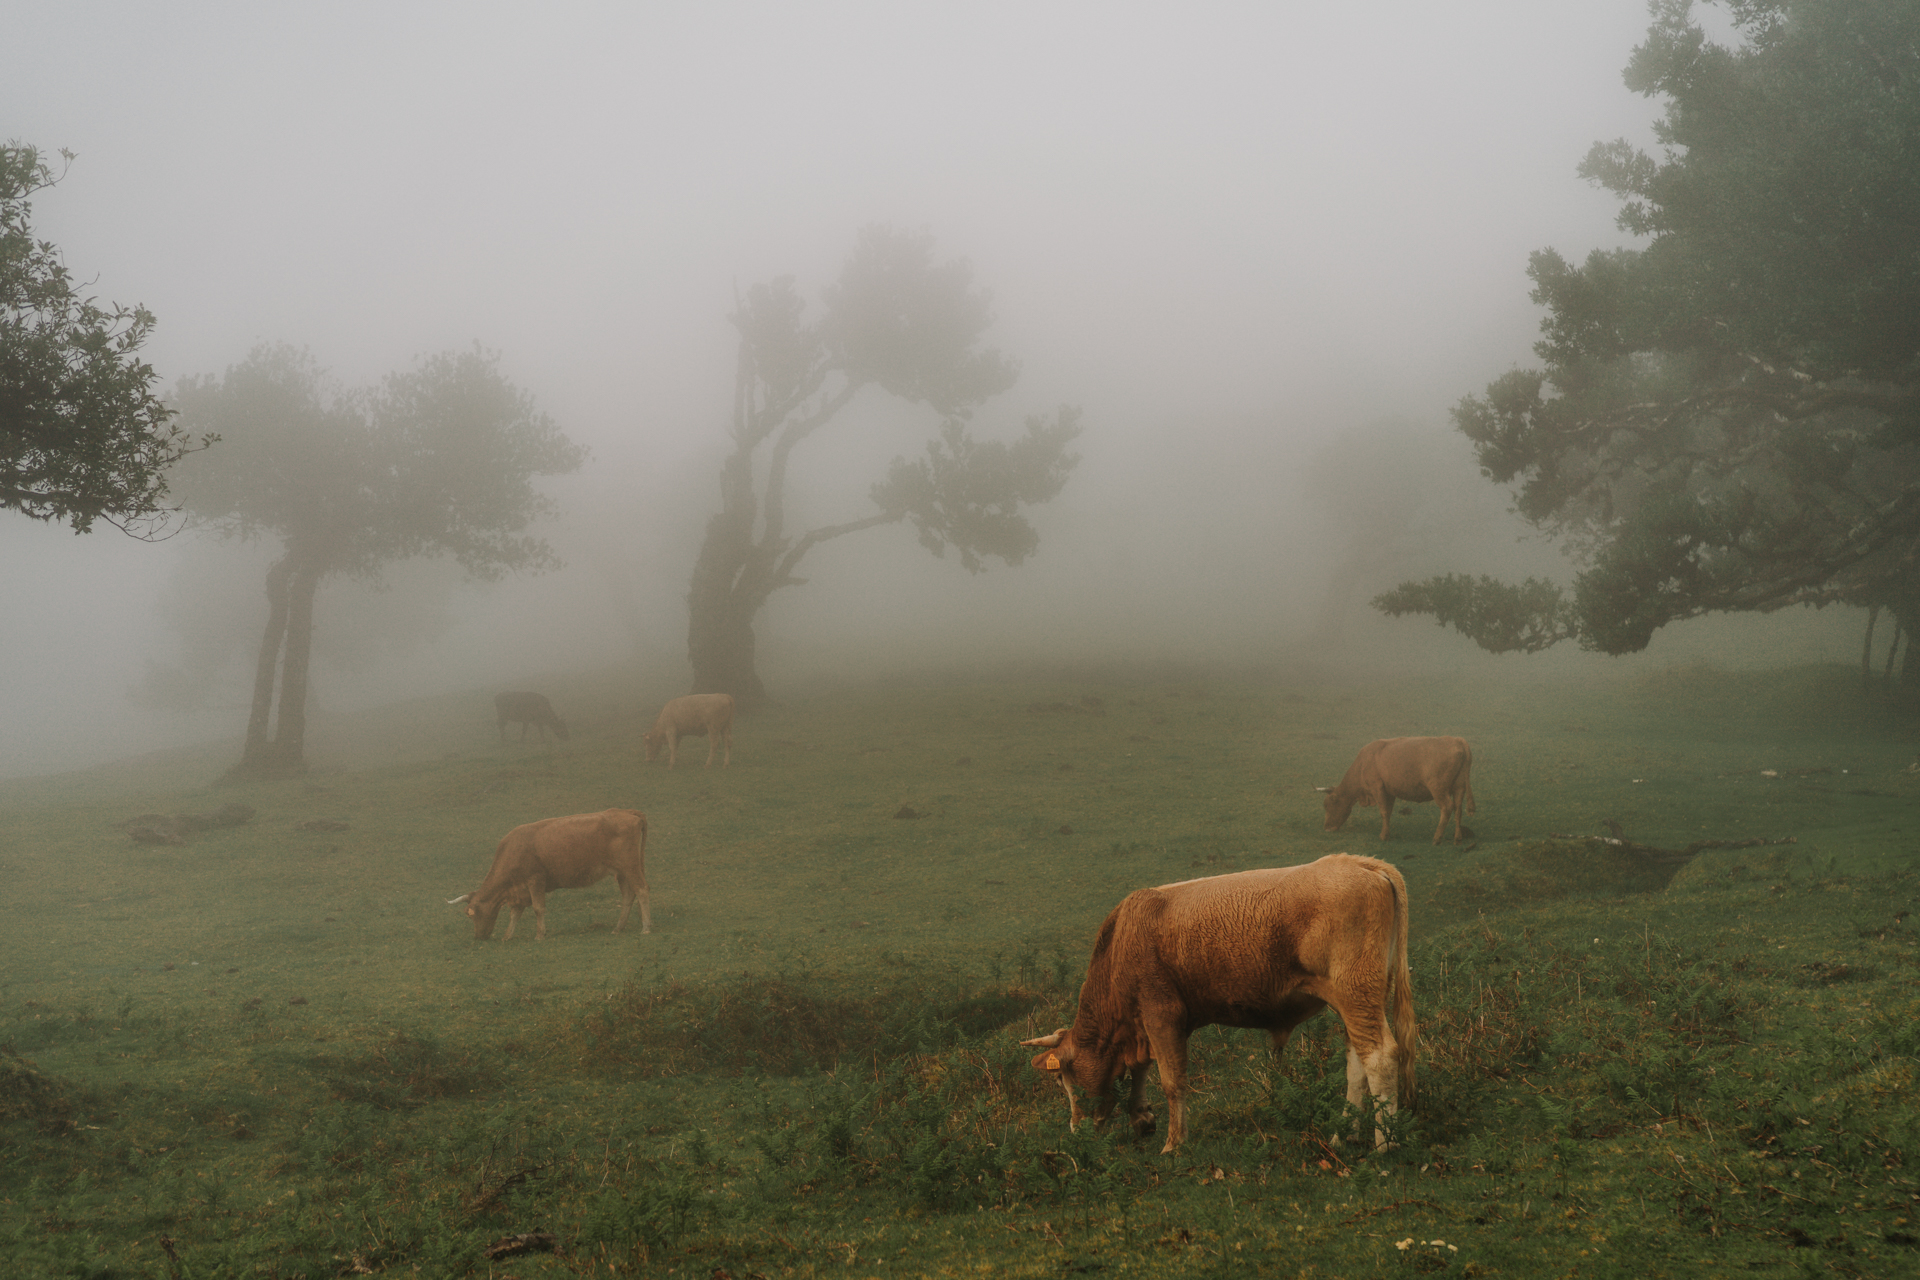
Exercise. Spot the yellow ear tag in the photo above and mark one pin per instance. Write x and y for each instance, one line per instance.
(1053, 1062)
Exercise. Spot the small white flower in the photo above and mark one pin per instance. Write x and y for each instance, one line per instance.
(1402, 1244)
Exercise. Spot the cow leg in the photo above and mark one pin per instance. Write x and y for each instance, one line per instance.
(539, 892)
(1356, 1081)
(673, 748)
(513, 918)
(1139, 1114)
(1441, 829)
(713, 744)
(1383, 1080)
(630, 890)
(1386, 815)
(1372, 1068)
(1169, 1046)
(728, 762)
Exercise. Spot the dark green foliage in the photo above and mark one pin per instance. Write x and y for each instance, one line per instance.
(83, 437)
(1729, 416)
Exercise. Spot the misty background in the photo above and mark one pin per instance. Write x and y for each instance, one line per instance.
(1264, 247)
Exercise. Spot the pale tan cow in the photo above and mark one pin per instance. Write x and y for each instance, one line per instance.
(1411, 769)
(697, 715)
(563, 853)
(1268, 949)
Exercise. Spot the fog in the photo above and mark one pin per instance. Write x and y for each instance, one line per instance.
(1264, 247)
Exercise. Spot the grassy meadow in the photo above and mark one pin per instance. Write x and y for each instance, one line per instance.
(273, 1050)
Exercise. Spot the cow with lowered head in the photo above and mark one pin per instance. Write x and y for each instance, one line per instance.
(528, 710)
(1268, 949)
(1411, 769)
(563, 853)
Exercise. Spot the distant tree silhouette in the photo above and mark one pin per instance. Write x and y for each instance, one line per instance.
(438, 460)
(904, 324)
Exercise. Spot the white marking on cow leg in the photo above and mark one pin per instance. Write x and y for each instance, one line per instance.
(1383, 1078)
(1356, 1080)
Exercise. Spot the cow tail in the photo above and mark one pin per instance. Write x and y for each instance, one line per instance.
(1405, 1034)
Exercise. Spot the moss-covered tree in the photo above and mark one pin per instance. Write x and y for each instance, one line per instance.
(1728, 418)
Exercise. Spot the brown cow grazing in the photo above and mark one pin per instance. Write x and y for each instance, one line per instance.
(698, 715)
(563, 853)
(1411, 769)
(527, 709)
(1267, 948)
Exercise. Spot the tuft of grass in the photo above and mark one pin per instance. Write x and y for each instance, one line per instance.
(776, 1025)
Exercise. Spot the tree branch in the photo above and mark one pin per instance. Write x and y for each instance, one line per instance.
(783, 576)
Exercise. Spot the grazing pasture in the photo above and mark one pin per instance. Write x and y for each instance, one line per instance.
(274, 1050)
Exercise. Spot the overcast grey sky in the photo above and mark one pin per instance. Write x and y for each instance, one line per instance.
(1224, 230)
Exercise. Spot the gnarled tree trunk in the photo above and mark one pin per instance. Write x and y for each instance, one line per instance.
(254, 756)
(285, 650)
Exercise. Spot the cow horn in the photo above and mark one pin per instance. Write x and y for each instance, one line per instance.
(1047, 1042)
(462, 898)
(1323, 788)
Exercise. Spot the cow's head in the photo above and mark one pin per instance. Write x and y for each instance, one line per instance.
(483, 913)
(1338, 806)
(1056, 1058)
(560, 731)
(654, 741)
(1093, 1074)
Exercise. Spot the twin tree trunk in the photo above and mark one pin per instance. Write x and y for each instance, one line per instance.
(286, 648)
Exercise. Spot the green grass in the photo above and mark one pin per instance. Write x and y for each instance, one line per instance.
(276, 1051)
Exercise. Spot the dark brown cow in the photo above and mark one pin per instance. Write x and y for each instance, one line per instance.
(527, 709)
(1411, 769)
(563, 853)
(1268, 949)
(697, 715)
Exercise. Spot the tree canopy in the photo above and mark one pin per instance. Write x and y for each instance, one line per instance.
(898, 320)
(437, 460)
(1728, 416)
(83, 436)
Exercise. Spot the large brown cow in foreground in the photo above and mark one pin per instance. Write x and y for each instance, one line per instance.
(527, 710)
(1411, 769)
(563, 853)
(1268, 949)
(698, 715)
